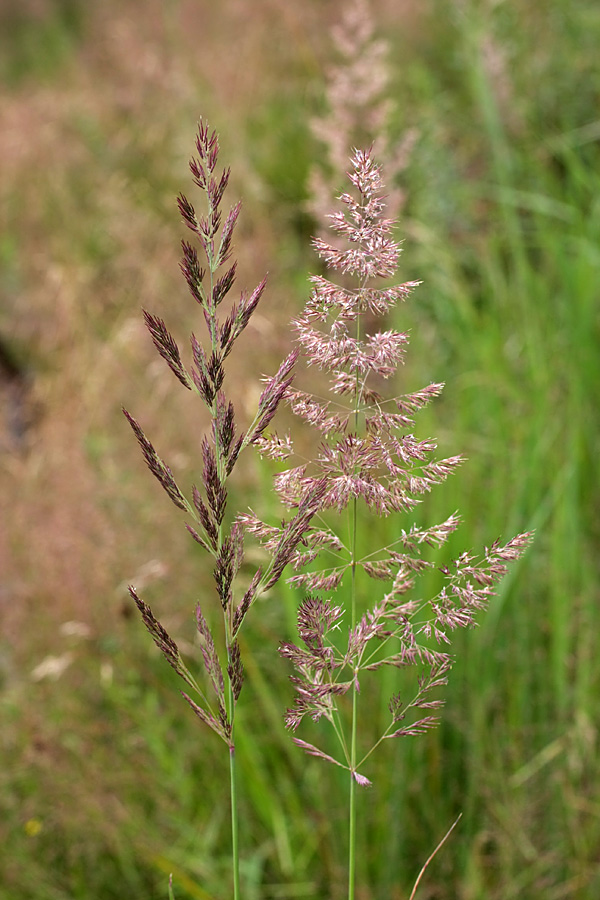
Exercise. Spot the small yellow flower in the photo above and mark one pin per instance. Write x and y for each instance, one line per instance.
(32, 827)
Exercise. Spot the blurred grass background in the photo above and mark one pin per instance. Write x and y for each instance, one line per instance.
(107, 783)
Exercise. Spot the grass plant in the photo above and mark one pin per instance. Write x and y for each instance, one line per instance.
(223, 539)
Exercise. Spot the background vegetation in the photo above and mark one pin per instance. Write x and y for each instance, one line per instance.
(107, 783)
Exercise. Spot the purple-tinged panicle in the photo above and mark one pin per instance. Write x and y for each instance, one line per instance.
(223, 286)
(224, 425)
(226, 235)
(198, 539)
(216, 493)
(188, 213)
(239, 317)
(200, 373)
(193, 272)
(210, 284)
(294, 532)
(161, 638)
(220, 725)
(235, 670)
(228, 562)
(234, 452)
(166, 346)
(209, 655)
(217, 189)
(205, 518)
(158, 468)
(246, 602)
(275, 391)
(207, 145)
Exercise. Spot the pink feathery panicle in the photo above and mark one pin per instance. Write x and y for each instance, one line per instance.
(368, 452)
(369, 253)
(358, 109)
(372, 252)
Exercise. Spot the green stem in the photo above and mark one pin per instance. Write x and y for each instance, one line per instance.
(352, 807)
(234, 811)
(352, 803)
(235, 855)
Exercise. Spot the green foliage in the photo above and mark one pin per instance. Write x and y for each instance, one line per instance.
(35, 44)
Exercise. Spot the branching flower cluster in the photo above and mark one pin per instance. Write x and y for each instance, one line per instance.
(358, 110)
(220, 535)
(367, 455)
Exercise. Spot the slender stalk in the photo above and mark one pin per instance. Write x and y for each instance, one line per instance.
(424, 868)
(354, 726)
(235, 855)
(234, 817)
(352, 806)
(354, 723)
